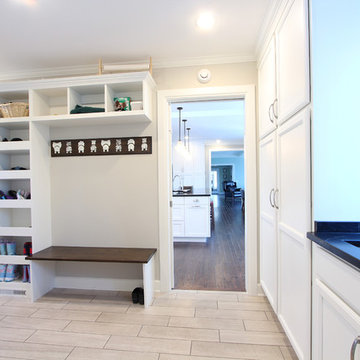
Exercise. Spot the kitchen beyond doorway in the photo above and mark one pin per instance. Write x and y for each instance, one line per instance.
(213, 260)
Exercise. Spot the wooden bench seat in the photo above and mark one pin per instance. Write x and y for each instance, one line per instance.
(106, 255)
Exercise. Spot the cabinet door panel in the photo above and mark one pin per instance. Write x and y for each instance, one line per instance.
(267, 90)
(292, 43)
(197, 220)
(294, 220)
(268, 244)
(178, 228)
(336, 325)
(178, 212)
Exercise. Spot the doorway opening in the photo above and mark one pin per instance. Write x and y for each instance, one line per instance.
(208, 224)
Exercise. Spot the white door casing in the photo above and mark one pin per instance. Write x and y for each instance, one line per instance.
(165, 98)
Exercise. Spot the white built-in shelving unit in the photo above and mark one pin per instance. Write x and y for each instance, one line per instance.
(50, 102)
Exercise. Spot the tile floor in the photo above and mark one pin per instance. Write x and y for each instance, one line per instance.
(181, 325)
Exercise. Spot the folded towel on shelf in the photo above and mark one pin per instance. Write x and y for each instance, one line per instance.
(85, 109)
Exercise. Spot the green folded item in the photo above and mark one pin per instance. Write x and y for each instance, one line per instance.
(85, 109)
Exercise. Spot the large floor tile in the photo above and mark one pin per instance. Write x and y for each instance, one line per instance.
(236, 351)
(254, 325)
(133, 319)
(162, 310)
(16, 310)
(254, 337)
(251, 298)
(231, 314)
(42, 304)
(206, 323)
(186, 303)
(163, 332)
(9, 334)
(66, 314)
(288, 353)
(188, 357)
(33, 323)
(217, 296)
(113, 307)
(97, 354)
(149, 345)
(70, 339)
(95, 327)
(262, 306)
(10, 350)
(271, 316)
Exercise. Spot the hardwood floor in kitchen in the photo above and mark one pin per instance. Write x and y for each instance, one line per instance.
(218, 264)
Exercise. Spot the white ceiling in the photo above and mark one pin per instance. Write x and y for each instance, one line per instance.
(211, 121)
(38, 34)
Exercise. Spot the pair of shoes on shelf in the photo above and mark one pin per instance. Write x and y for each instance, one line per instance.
(8, 272)
(12, 194)
(18, 168)
(22, 195)
(8, 248)
(26, 273)
(13, 139)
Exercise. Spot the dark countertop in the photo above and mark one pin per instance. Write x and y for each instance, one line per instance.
(195, 192)
(344, 244)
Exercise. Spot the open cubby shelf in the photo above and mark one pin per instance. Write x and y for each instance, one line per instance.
(50, 103)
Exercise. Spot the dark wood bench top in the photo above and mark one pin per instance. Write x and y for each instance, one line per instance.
(94, 254)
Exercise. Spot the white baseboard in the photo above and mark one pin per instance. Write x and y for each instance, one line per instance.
(73, 282)
(260, 290)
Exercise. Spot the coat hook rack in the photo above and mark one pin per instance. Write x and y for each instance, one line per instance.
(110, 68)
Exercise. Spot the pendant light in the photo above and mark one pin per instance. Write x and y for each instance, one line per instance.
(184, 122)
(188, 139)
(179, 143)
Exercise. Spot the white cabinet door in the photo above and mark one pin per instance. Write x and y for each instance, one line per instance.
(292, 43)
(178, 228)
(268, 242)
(294, 220)
(197, 220)
(335, 327)
(267, 91)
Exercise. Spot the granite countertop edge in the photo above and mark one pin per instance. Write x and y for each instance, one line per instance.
(330, 241)
(191, 194)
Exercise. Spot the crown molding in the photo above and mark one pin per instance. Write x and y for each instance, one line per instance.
(204, 60)
(80, 70)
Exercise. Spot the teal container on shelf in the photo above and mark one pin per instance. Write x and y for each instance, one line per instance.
(11, 248)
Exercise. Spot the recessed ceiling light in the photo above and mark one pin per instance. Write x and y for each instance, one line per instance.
(218, 141)
(28, 2)
(205, 21)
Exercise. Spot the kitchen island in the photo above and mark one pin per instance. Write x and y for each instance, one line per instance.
(191, 216)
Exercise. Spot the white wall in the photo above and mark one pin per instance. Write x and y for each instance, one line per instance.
(221, 75)
(104, 201)
(336, 120)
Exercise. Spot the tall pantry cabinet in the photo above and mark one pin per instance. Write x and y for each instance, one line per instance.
(285, 179)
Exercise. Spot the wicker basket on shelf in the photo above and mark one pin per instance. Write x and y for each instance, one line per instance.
(14, 109)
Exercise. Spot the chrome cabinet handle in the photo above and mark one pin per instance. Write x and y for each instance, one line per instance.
(273, 107)
(276, 192)
(269, 113)
(270, 197)
(353, 347)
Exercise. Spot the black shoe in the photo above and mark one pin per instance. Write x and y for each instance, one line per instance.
(138, 296)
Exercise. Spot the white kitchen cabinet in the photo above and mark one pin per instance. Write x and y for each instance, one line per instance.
(283, 69)
(336, 307)
(191, 218)
(267, 91)
(197, 217)
(285, 217)
(268, 219)
(292, 60)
